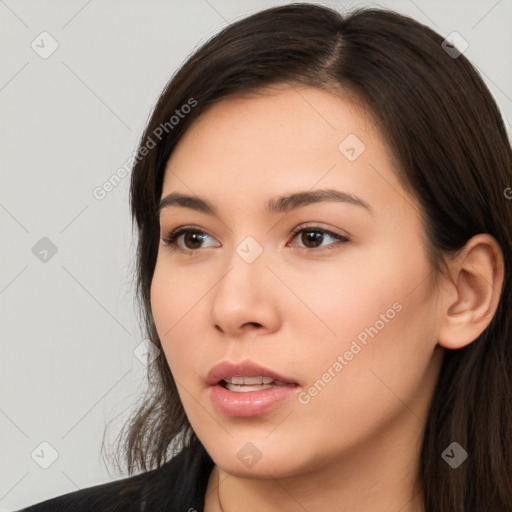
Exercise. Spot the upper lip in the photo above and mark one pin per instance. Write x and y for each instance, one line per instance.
(226, 369)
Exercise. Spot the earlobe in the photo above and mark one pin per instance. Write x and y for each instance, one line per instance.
(470, 300)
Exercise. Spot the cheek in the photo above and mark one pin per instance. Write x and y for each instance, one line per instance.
(174, 303)
(385, 334)
(385, 377)
(330, 303)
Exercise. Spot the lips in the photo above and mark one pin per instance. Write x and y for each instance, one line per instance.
(245, 373)
(247, 389)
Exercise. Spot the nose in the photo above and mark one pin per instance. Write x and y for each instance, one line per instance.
(244, 300)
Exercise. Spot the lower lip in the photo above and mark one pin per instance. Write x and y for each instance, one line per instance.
(250, 403)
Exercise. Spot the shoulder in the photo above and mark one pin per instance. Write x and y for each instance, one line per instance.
(182, 478)
(123, 494)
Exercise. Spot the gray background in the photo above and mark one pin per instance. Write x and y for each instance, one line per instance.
(68, 122)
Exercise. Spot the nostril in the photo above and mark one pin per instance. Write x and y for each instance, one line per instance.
(252, 324)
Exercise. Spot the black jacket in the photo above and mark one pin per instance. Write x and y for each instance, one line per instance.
(178, 485)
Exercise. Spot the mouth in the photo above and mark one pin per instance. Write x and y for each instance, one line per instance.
(238, 384)
(247, 389)
(246, 373)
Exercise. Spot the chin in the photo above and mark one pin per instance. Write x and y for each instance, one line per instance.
(260, 458)
(262, 470)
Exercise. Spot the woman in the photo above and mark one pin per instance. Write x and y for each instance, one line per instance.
(324, 233)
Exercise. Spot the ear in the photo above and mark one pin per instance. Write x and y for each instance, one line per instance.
(471, 298)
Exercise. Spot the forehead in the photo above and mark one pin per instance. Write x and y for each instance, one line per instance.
(282, 121)
(278, 140)
(282, 108)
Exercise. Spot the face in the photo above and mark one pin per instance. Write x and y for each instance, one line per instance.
(328, 292)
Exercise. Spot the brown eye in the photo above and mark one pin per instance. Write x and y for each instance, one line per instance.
(312, 238)
(192, 239)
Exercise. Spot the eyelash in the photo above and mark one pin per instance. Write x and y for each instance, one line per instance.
(170, 240)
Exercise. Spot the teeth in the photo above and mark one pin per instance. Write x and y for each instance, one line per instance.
(244, 388)
(245, 384)
(248, 380)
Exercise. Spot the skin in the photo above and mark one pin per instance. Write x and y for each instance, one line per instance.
(298, 306)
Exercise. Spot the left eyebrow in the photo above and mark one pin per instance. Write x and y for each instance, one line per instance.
(281, 204)
(290, 202)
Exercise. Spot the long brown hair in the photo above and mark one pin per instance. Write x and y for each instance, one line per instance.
(452, 153)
